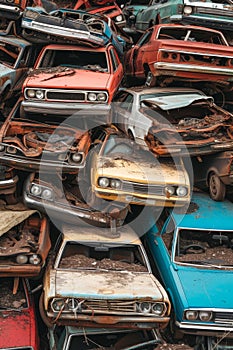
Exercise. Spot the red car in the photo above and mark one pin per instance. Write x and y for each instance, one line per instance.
(17, 316)
(70, 78)
(169, 52)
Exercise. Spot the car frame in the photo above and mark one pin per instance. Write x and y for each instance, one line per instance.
(91, 289)
(185, 271)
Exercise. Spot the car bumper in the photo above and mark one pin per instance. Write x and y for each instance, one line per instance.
(8, 186)
(171, 68)
(20, 271)
(201, 329)
(205, 21)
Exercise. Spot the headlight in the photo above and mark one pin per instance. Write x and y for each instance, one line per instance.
(47, 194)
(205, 316)
(103, 182)
(169, 190)
(10, 1)
(72, 304)
(115, 183)
(21, 259)
(191, 315)
(187, 10)
(158, 308)
(119, 18)
(34, 259)
(40, 94)
(181, 191)
(2, 148)
(31, 93)
(57, 304)
(101, 97)
(77, 157)
(92, 96)
(144, 307)
(36, 190)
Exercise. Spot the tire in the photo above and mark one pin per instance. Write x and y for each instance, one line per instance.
(217, 188)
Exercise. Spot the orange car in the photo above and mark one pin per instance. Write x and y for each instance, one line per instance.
(69, 78)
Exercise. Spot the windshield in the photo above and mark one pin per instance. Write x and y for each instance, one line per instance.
(205, 247)
(88, 60)
(9, 54)
(102, 256)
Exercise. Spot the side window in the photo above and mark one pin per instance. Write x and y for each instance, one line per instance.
(127, 104)
(145, 38)
(115, 61)
(98, 134)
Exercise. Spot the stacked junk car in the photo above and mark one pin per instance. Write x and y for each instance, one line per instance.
(116, 175)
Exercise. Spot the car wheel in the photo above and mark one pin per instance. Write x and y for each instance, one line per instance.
(43, 315)
(217, 188)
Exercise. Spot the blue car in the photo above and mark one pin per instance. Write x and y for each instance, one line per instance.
(193, 254)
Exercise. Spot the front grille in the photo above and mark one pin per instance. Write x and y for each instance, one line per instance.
(215, 12)
(225, 318)
(65, 96)
(143, 188)
(106, 305)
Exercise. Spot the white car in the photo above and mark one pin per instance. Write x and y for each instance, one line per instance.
(97, 279)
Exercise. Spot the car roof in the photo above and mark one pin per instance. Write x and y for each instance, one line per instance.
(11, 39)
(76, 47)
(187, 27)
(141, 90)
(205, 213)
(87, 233)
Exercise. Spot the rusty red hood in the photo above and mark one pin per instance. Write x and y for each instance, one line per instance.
(70, 79)
(196, 47)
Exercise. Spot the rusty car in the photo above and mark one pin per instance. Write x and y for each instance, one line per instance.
(16, 57)
(62, 200)
(215, 173)
(33, 145)
(70, 78)
(95, 280)
(120, 170)
(25, 243)
(69, 338)
(18, 321)
(192, 251)
(66, 25)
(169, 53)
(190, 127)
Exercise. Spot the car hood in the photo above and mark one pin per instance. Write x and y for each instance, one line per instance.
(15, 329)
(69, 79)
(107, 285)
(143, 172)
(207, 288)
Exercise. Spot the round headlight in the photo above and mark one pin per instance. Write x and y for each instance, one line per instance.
(205, 316)
(191, 315)
(187, 10)
(36, 190)
(115, 183)
(2, 148)
(169, 190)
(72, 304)
(40, 94)
(31, 93)
(181, 191)
(101, 97)
(47, 194)
(77, 157)
(34, 259)
(103, 182)
(57, 304)
(158, 308)
(21, 259)
(119, 18)
(91, 96)
(144, 307)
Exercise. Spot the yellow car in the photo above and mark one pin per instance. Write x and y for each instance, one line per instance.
(122, 171)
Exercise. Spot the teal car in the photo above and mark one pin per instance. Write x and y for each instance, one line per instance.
(212, 14)
(193, 253)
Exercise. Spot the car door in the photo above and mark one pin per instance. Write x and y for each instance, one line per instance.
(139, 53)
(117, 72)
(122, 111)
